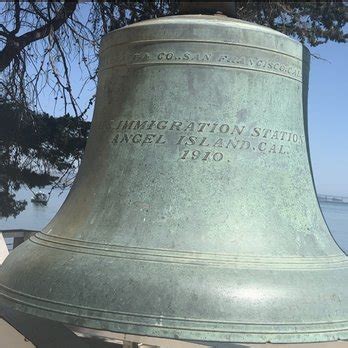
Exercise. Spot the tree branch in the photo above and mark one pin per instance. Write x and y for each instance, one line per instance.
(14, 46)
(17, 18)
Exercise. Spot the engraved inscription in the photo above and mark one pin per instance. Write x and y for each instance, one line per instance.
(204, 156)
(223, 59)
(243, 58)
(206, 141)
(186, 56)
(218, 54)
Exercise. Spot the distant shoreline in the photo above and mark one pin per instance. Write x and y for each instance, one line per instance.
(333, 202)
(332, 199)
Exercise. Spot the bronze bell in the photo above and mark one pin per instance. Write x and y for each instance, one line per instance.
(194, 214)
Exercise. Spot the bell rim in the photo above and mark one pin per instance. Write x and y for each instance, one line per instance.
(167, 327)
(329, 333)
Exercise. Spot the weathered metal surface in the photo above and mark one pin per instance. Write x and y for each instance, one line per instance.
(194, 214)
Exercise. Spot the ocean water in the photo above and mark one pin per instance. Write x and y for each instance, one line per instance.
(336, 217)
(35, 217)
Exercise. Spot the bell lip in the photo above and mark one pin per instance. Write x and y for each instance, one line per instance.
(240, 333)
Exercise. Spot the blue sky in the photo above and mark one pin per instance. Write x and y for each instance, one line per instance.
(328, 118)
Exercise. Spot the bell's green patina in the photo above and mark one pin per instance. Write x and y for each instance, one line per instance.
(194, 214)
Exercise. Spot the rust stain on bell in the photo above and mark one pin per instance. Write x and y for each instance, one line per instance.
(194, 214)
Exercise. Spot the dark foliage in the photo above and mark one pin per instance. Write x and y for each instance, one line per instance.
(35, 151)
(312, 22)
